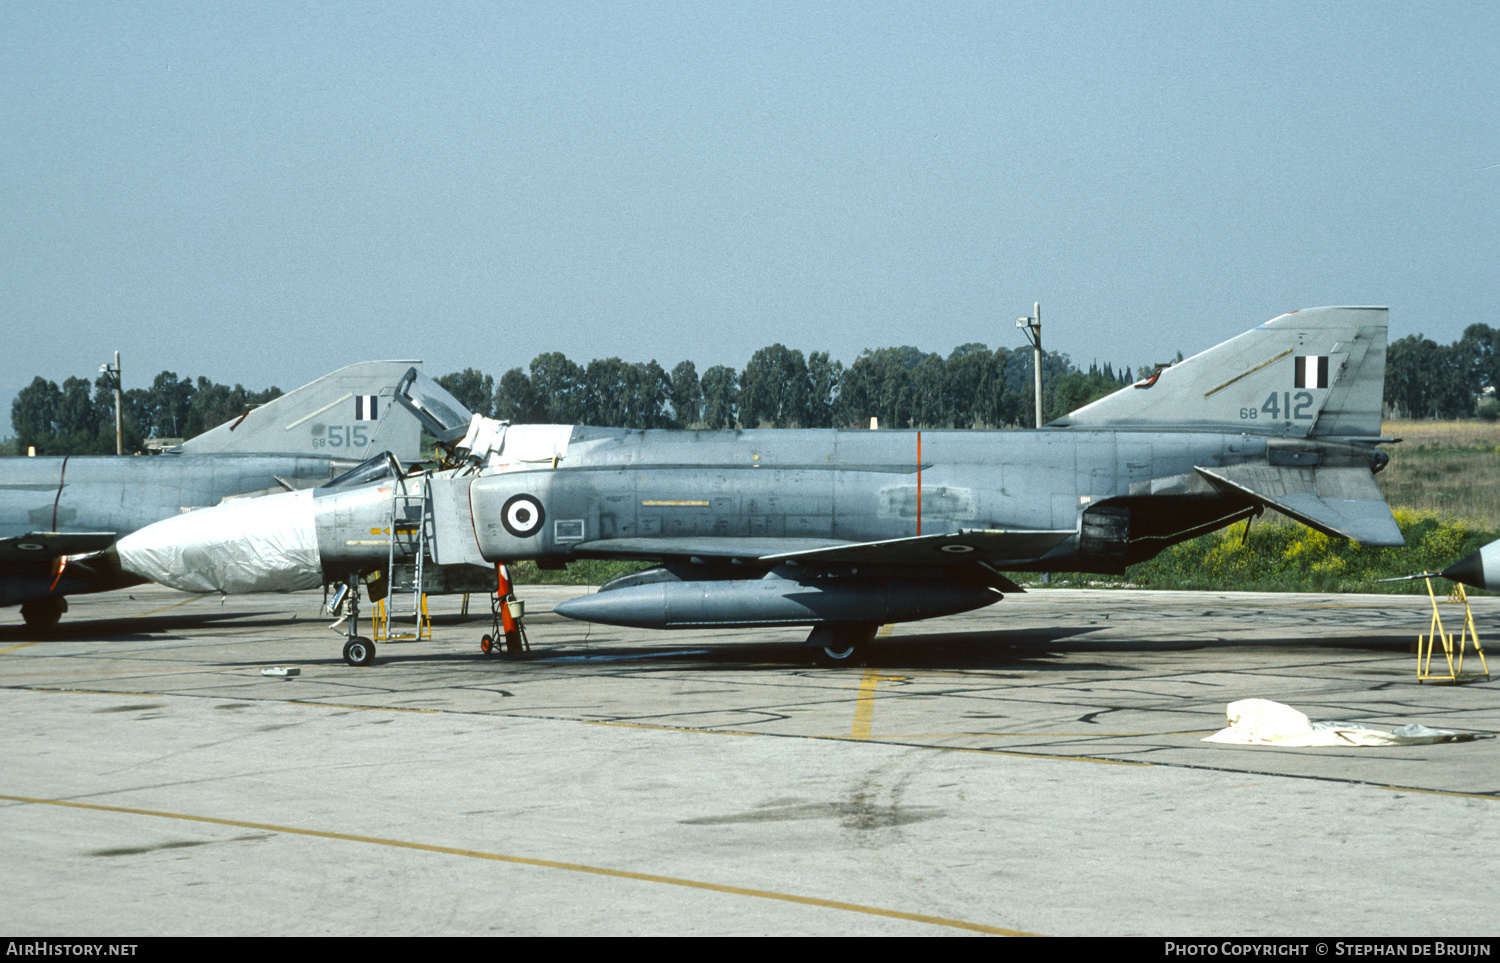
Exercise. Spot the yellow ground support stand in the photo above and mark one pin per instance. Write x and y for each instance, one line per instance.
(382, 624)
(1435, 632)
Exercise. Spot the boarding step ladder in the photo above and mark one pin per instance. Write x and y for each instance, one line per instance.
(402, 614)
(1467, 635)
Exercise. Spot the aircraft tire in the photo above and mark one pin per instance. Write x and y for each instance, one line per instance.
(840, 645)
(833, 656)
(44, 613)
(359, 651)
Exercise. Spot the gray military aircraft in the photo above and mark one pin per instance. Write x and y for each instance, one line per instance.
(55, 508)
(1480, 568)
(846, 530)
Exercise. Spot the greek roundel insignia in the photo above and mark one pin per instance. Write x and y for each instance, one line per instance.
(522, 516)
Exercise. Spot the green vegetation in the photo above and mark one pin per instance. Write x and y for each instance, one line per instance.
(78, 418)
(1443, 484)
(587, 572)
(1448, 467)
(1283, 556)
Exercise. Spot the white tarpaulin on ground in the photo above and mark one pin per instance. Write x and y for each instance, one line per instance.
(265, 544)
(1261, 722)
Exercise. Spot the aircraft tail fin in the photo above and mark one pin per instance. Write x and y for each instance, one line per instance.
(1316, 372)
(347, 414)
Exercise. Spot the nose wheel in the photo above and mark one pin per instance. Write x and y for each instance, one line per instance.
(359, 651)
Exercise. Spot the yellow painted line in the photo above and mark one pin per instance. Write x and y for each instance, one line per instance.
(337, 705)
(691, 504)
(21, 646)
(1250, 372)
(1443, 792)
(1042, 755)
(993, 752)
(641, 725)
(864, 703)
(172, 606)
(270, 702)
(1035, 735)
(1056, 757)
(136, 616)
(540, 863)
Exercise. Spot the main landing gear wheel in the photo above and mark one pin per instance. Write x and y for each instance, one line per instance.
(44, 613)
(838, 645)
(359, 651)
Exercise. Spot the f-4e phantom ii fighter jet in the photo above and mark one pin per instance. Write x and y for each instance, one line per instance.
(57, 513)
(846, 530)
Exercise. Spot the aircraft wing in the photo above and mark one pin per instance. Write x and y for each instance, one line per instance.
(1341, 501)
(990, 545)
(701, 546)
(34, 546)
(995, 546)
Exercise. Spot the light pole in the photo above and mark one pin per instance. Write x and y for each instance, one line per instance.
(112, 372)
(1033, 328)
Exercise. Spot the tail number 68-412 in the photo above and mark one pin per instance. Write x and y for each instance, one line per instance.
(1283, 405)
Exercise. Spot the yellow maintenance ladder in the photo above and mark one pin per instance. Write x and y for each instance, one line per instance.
(410, 538)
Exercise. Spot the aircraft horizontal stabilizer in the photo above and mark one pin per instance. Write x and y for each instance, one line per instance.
(42, 545)
(1341, 501)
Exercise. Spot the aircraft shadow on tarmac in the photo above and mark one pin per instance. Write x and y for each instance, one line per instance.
(1030, 650)
(131, 629)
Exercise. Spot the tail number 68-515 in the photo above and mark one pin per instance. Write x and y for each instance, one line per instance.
(344, 436)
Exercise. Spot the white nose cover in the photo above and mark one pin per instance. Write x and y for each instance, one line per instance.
(265, 544)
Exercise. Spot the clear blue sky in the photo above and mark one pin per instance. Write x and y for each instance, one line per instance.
(262, 192)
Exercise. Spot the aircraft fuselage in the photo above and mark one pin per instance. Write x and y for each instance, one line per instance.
(111, 494)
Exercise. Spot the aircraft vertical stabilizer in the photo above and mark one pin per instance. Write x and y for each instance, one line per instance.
(348, 414)
(1316, 372)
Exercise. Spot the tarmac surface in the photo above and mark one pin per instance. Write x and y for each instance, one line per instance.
(1033, 767)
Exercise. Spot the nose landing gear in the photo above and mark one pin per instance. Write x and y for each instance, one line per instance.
(358, 650)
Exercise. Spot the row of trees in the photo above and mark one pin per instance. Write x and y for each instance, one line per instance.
(1424, 379)
(78, 418)
(973, 387)
(782, 388)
